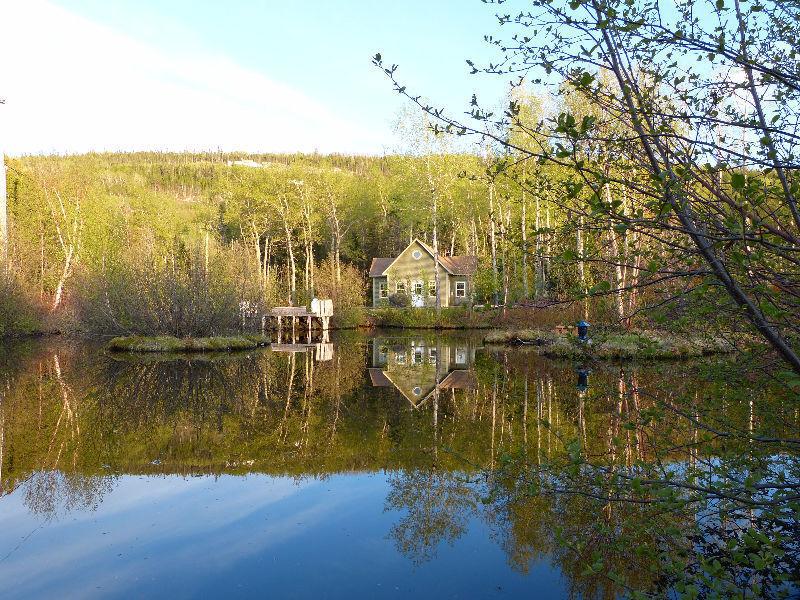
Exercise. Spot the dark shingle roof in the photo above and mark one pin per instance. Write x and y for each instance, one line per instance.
(460, 265)
(378, 266)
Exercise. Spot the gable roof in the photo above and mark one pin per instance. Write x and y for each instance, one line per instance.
(455, 265)
(378, 266)
(460, 265)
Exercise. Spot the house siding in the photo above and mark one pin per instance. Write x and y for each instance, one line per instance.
(376, 295)
(454, 301)
(407, 269)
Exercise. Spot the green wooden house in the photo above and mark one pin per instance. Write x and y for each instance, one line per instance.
(412, 274)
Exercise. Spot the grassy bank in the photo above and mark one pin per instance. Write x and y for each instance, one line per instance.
(609, 345)
(454, 318)
(173, 344)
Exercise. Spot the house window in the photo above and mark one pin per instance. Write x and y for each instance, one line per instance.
(400, 359)
(383, 290)
(432, 289)
(416, 254)
(401, 287)
(432, 354)
(461, 289)
(417, 358)
(418, 288)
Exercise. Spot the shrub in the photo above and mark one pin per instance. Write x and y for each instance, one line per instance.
(173, 294)
(20, 313)
(422, 318)
(400, 300)
(349, 292)
(349, 318)
(173, 344)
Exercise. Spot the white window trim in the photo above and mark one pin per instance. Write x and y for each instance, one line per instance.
(400, 287)
(432, 288)
(418, 285)
(383, 289)
(461, 289)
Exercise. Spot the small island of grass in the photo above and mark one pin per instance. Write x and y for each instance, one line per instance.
(613, 345)
(167, 343)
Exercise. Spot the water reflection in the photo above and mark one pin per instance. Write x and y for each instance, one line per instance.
(423, 417)
(420, 368)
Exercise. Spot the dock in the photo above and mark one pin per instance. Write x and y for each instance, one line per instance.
(321, 310)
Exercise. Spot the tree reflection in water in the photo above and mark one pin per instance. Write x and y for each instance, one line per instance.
(437, 507)
(497, 437)
(54, 494)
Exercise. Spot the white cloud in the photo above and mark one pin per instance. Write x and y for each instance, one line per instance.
(72, 85)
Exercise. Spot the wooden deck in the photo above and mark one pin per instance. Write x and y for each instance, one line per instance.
(322, 310)
(291, 311)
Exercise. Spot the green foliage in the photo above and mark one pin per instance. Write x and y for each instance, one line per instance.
(176, 294)
(168, 344)
(614, 345)
(427, 318)
(347, 288)
(20, 314)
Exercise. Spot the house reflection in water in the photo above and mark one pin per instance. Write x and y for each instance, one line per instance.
(420, 367)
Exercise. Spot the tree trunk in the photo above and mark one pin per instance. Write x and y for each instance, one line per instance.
(616, 258)
(632, 297)
(524, 226)
(435, 198)
(69, 239)
(66, 272)
(539, 273)
(579, 247)
(493, 244)
(309, 244)
(3, 212)
(292, 267)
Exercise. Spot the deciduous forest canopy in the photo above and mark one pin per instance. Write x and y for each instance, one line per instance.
(123, 241)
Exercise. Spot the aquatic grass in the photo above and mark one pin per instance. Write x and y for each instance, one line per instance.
(647, 344)
(169, 344)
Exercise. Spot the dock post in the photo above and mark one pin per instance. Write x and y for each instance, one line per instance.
(325, 324)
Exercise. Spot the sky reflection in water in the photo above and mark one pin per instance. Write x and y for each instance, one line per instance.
(354, 470)
(255, 535)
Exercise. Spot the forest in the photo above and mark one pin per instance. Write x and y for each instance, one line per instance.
(175, 242)
(151, 242)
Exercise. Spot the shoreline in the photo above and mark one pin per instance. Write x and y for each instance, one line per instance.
(171, 344)
(603, 345)
(644, 344)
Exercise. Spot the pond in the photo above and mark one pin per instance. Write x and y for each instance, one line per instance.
(367, 467)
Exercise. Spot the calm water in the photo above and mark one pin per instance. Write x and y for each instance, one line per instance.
(355, 469)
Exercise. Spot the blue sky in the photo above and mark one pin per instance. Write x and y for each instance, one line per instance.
(251, 75)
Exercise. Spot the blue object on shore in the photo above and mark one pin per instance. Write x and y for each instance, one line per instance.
(583, 330)
(583, 379)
